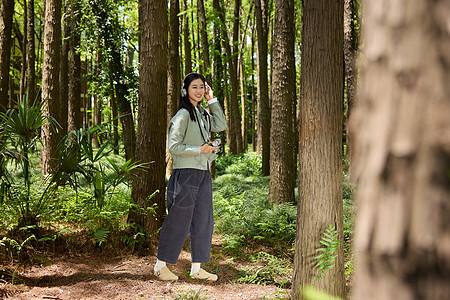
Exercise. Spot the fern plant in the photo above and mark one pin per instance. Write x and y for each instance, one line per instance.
(327, 258)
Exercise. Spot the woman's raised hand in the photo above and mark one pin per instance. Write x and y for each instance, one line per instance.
(208, 92)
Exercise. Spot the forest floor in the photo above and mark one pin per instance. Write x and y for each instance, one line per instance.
(107, 276)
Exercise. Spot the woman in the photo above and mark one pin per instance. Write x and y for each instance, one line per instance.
(189, 191)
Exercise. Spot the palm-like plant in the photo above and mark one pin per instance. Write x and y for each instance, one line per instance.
(20, 129)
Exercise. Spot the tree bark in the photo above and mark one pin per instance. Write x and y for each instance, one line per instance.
(234, 127)
(64, 75)
(75, 117)
(253, 116)
(187, 43)
(402, 153)
(151, 135)
(31, 59)
(218, 81)
(204, 40)
(6, 25)
(282, 139)
(234, 73)
(263, 108)
(50, 82)
(320, 144)
(23, 70)
(173, 72)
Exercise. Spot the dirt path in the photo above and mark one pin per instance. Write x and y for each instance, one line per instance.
(130, 277)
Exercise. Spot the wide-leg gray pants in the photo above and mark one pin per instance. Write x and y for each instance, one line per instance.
(190, 210)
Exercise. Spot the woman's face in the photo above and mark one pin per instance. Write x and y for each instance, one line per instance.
(196, 91)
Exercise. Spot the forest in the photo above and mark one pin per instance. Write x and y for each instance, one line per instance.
(332, 179)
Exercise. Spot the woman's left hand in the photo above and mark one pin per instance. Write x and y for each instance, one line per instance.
(209, 93)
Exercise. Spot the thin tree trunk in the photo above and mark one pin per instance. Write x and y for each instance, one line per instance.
(234, 130)
(402, 153)
(187, 43)
(263, 109)
(282, 140)
(23, 70)
(97, 103)
(6, 25)
(50, 82)
(173, 72)
(31, 59)
(234, 73)
(86, 105)
(204, 39)
(218, 78)
(253, 117)
(151, 136)
(64, 75)
(75, 117)
(320, 166)
(115, 118)
(243, 107)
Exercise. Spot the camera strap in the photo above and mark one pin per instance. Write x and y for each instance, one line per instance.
(200, 128)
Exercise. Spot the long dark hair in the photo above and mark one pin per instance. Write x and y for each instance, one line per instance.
(184, 100)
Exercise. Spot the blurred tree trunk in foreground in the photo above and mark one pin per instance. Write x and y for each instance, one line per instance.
(402, 152)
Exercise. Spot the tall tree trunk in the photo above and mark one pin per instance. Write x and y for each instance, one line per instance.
(218, 81)
(173, 72)
(187, 43)
(31, 59)
(402, 153)
(234, 80)
(23, 70)
(151, 136)
(253, 96)
(234, 129)
(64, 75)
(282, 139)
(97, 103)
(115, 118)
(321, 117)
(204, 40)
(86, 105)
(244, 108)
(263, 109)
(50, 82)
(6, 25)
(75, 117)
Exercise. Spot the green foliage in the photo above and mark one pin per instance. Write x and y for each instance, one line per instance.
(191, 295)
(19, 129)
(13, 248)
(246, 164)
(312, 293)
(280, 294)
(270, 270)
(325, 261)
(243, 212)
